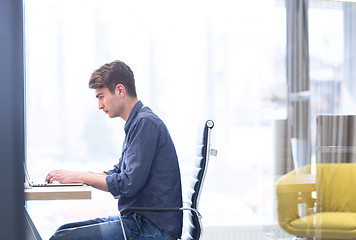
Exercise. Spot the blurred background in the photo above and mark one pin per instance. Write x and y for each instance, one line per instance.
(193, 60)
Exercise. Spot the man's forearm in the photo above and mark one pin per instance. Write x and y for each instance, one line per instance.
(96, 180)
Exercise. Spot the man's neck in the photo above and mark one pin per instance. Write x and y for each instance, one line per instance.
(130, 104)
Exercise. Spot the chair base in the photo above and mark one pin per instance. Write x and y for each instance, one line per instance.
(328, 239)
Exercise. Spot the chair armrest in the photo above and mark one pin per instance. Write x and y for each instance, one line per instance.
(292, 190)
(296, 183)
(148, 209)
(157, 209)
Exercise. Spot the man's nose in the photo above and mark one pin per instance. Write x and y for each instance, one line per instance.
(101, 106)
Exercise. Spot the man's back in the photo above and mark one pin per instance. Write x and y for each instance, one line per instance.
(148, 172)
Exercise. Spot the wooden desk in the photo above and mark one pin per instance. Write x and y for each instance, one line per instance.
(51, 193)
(58, 193)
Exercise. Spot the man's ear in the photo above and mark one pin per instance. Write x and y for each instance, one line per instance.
(120, 90)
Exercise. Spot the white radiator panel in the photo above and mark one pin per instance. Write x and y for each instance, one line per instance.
(266, 232)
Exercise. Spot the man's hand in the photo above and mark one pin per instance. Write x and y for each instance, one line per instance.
(64, 176)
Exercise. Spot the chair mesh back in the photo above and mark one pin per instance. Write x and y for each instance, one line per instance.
(198, 179)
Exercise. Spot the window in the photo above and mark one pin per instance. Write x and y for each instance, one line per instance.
(192, 61)
(331, 57)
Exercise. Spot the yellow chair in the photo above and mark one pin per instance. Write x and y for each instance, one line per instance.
(331, 214)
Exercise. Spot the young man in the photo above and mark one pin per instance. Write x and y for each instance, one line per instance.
(147, 174)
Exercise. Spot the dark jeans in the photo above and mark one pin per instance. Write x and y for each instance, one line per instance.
(136, 227)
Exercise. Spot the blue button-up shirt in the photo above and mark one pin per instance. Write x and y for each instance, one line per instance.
(148, 174)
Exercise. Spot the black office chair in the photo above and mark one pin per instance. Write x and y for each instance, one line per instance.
(194, 230)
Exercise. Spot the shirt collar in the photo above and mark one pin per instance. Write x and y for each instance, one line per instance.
(133, 115)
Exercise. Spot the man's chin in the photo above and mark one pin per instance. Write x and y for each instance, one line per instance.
(112, 116)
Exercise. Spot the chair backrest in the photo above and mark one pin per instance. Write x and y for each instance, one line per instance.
(203, 154)
(335, 187)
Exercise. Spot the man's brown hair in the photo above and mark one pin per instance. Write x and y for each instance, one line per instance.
(111, 74)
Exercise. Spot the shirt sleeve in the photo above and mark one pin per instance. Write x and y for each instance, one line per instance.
(137, 160)
(115, 170)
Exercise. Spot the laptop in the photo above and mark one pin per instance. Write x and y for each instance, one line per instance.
(29, 183)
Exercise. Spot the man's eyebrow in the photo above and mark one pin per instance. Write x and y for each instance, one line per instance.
(98, 95)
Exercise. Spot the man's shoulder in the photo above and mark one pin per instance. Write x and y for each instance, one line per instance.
(148, 118)
(146, 114)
